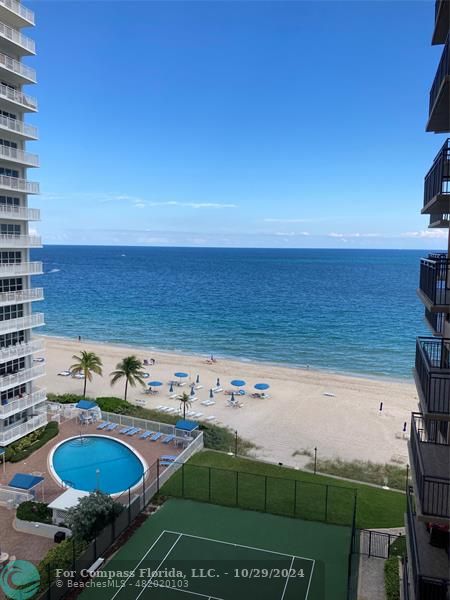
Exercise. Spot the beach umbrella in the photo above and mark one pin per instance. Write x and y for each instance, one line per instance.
(218, 382)
(211, 393)
(171, 388)
(181, 375)
(232, 397)
(238, 382)
(197, 379)
(262, 386)
(154, 383)
(192, 391)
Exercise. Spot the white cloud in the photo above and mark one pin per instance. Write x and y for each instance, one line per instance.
(354, 235)
(431, 234)
(270, 220)
(291, 233)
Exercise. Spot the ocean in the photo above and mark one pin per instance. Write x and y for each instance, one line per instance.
(352, 311)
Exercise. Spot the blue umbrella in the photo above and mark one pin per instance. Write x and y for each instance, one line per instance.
(238, 382)
(181, 375)
(192, 391)
(171, 387)
(211, 393)
(154, 383)
(262, 386)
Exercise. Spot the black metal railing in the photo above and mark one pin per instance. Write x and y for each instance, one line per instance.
(425, 588)
(435, 279)
(434, 492)
(442, 72)
(437, 180)
(441, 20)
(433, 373)
(436, 321)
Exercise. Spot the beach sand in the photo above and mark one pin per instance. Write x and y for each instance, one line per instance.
(298, 416)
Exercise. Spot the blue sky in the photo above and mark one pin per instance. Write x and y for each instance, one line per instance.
(284, 124)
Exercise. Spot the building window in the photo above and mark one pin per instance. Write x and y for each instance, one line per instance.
(11, 339)
(10, 258)
(12, 367)
(8, 144)
(9, 201)
(13, 393)
(9, 172)
(9, 229)
(14, 284)
(11, 312)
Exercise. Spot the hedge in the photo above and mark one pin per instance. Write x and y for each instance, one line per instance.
(392, 578)
(27, 445)
(37, 512)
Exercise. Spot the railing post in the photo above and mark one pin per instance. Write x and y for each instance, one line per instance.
(157, 475)
(209, 484)
(326, 504)
(265, 493)
(237, 488)
(182, 480)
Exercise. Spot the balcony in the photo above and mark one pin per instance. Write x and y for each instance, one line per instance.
(428, 566)
(441, 21)
(435, 322)
(439, 113)
(7, 436)
(17, 72)
(20, 377)
(15, 99)
(16, 13)
(16, 156)
(20, 128)
(21, 323)
(16, 184)
(11, 40)
(19, 269)
(20, 241)
(436, 197)
(12, 406)
(20, 349)
(432, 374)
(19, 213)
(30, 295)
(440, 221)
(434, 286)
(430, 467)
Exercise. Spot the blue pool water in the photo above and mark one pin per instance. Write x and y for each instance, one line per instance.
(77, 460)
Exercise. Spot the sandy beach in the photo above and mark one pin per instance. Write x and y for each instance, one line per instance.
(338, 414)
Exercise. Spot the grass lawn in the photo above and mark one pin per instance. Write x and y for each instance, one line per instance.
(376, 508)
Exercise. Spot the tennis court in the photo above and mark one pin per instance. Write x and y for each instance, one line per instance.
(189, 550)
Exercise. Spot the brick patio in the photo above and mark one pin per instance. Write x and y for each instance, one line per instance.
(32, 547)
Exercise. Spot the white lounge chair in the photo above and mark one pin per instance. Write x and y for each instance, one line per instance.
(211, 418)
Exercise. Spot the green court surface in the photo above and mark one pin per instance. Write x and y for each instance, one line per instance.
(189, 550)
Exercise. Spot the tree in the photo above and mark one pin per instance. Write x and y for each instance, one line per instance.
(185, 402)
(129, 368)
(91, 515)
(88, 363)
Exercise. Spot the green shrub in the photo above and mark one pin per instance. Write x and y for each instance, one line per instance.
(91, 515)
(115, 405)
(392, 579)
(26, 446)
(61, 556)
(34, 511)
(398, 548)
(64, 398)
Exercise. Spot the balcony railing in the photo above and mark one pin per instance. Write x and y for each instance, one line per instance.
(20, 349)
(435, 280)
(436, 321)
(18, 185)
(431, 462)
(18, 269)
(11, 325)
(25, 101)
(17, 38)
(20, 377)
(14, 433)
(425, 586)
(441, 107)
(19, 156)
(18, 9)
(29, 295)
(20, 127)
(9, 211)
(433, 373)
(437, 180)
(13, 406)
(18, 68)
(20, 241)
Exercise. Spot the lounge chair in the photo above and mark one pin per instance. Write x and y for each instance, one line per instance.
(155, 437)
(197, 415)
(217, 389)
(165, 463)
(111, 427)
(159, 407)
(168, 457)
(134, 431)
(125, 429)
(145, 435)
(198, 386)
(211, 418)
(208, 402)
(172, 396)
(168, 439)
(103, 425)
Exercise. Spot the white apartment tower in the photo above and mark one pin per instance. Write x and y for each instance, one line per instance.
(22, 403)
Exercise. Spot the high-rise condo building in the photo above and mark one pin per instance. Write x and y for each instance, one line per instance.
(22, 403)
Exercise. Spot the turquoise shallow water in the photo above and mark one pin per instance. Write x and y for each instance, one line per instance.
(88, 463)
(353, 311)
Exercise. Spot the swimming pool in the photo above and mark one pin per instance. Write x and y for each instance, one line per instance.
(91, 462)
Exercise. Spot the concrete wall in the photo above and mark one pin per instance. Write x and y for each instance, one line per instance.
(41, 529)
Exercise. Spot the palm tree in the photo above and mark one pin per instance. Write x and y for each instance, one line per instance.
(130, 367)
(185, 402)
(88, 363)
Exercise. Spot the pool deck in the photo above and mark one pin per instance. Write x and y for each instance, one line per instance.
(34, 547)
